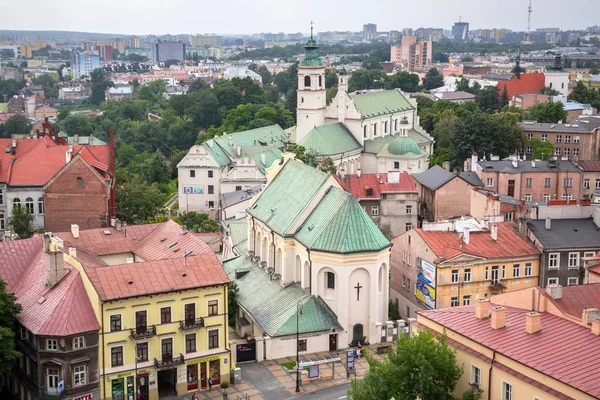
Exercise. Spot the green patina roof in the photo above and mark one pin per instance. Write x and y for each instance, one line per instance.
(329, 140)
(282, 201)
(376, 103)
(258, 295)
(403, 145)
(237, 228)
(339, 224)
(216, 152)
(311, 58)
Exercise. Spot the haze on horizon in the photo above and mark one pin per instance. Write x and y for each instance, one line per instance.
(243, 16)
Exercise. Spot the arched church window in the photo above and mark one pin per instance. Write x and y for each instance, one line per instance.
(365, 131)
(307, 81)
(320, 81)
(395, 125)
(301, 99)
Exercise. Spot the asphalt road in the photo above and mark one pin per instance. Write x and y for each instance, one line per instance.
(333, 393)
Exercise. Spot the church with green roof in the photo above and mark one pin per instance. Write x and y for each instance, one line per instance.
(368, 131)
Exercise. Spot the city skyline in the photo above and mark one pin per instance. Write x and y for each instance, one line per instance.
(125, 17)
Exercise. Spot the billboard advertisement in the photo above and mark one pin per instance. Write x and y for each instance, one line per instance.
(193, 190)
(425, 285)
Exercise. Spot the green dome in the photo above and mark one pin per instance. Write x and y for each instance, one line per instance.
(402, 145)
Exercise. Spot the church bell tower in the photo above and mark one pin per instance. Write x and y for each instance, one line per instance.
(310, 109)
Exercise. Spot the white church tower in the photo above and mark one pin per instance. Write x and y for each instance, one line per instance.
(312, 100)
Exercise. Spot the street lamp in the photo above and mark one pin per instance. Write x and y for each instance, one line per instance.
(135, 377)
(298, 315)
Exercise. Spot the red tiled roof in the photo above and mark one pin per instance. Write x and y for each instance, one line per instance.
(356, 185)
(528, 83)
(447, 245)
(23, 146)
(590, 166)
(576, 298)
(62, 310)
(5, 116)
(563, 350)
(153, 277)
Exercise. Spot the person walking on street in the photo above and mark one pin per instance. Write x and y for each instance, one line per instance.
(194, 397)
(209, 383)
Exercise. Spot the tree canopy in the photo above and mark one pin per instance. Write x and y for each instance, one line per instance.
(17, 124)
(433, 79)
(550, 112)
(9, 310)
(21, 222)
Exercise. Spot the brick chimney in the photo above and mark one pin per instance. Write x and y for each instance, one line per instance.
(73, 252)
(498, 317)
(482, 308)
(589, 315)
(548, 223)
(532, 322)
(494, 232)
(596, 327)
(467, 235)
(554, 291)
(75, 230)
(56, 267)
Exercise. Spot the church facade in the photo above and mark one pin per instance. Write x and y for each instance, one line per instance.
(311, 248)
(368, 131)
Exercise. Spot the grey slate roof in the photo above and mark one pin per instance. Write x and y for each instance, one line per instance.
(505, 166)
(457, 95)
(231, 198)
(434, 178)
(581, 125)
(567, 233)
(273, 306)
(496, 76)
(471, 177)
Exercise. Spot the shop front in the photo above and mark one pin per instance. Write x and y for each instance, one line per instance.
(199, 371)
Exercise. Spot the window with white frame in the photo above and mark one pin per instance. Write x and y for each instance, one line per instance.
(574, 260)
(575, 151)
(568, 182)
(553, 260)
(467, 300)
(51, 344)
(558, 138)
(529, 150)
(552, 281)
(547, 182)
(528, 269)
(546, 197)
(454, 301)
(528, 197)
(403, 281)
(475, 376)
(2, 222)
(572, 281)
(409, 209)
(567, 152)
(597, 183)
(79, 375)
(508, 216)
(78, 342)
(504, 272)
(576, 139)
(528, 182)
(52, 379)
(408, 226)
(24, 333)
(467, 275)
(586, 183)
(529, 136)
(567, 196)
(516, 270)
(408, 259)
(490, 182)
(454, 276)
(507, 391)
(374, 210)
(557, 151)
(544, 137)
(589, 254)
(568, 139)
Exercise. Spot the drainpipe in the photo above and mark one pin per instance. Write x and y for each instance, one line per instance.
(103, 351)
(253, 237)
(309, 271)
(273, 240)
(226, 319)
(490, 376)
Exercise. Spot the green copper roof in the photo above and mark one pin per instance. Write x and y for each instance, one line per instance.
(402, 145)
(258, 295)
(376, 103)
(287, 195)
(217, 153)
(311, 57)
(329, 140)
(340, 225)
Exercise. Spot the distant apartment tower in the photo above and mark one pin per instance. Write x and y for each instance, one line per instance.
(205, 40)
(105, 52)
(369, 31)
(432, 34)
(84, 63)
(167, 50)
(460, 30)
(412, 53)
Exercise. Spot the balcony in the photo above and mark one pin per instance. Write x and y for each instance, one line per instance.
(497, 285)
(142, 333)
(191, 324)
(169, 362)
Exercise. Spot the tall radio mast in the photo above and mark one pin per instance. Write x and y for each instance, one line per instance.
(529, 10)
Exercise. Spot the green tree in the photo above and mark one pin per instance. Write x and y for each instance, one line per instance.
(409, 371)
(197, 85)
(176, 159)
(18, 124)
(100, 83)
(205, 110)
(549, 92)
(594, 71)
(445, 128)
(371, 63)
(406, 81)
(393, 312)
(137, 201)
(153, 92)
(541, 150)
(198, 222)
(488, 99)
(9, 310)
(466, 59)
(330, 94)
(265, 74)
(228, 95)
(170, 62)
(433, 79)
(232, 304)
(462, 85)
(301, 154)
(366, 79)
(21, 222)
(550, 112)
(327, 165)
(331, 78)
(504, 98)
(9, 88)
(157, 170)
(77, 124)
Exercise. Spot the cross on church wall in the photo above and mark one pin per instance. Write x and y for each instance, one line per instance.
(358, 287)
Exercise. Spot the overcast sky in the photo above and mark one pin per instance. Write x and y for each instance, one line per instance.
(253, 16)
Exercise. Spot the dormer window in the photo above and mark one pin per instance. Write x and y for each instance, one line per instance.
(369, 191)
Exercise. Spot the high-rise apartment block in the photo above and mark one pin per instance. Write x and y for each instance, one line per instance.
(460, 30)
(412, 53)
(369, 31)
(84, 63)
(167, 50)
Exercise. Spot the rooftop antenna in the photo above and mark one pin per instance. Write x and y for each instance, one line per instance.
(529, 11)
(311, 28)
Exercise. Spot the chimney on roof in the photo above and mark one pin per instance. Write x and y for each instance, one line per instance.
(91, 139)
(485, 222)
(494, 232)
(47, 241)
(56, 267)
(73, 252)
(263, 158)
(446, 165)
(498, 317)
(76, 138)
(554, 291)
(14, 143)
(515, 163)
(532, 322)
(358, 172)
(532, 163)
(482, 308)
(590, 314)
(75, 230)
(473, 161)
(548, 223)
(596, 327)
(129, 260)
(467, 235)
